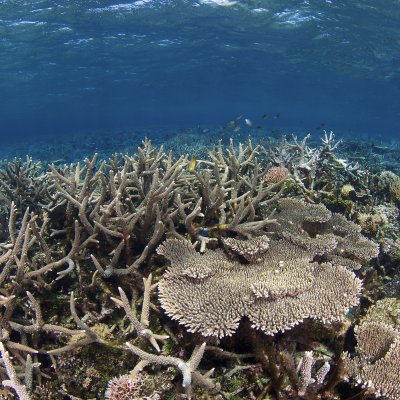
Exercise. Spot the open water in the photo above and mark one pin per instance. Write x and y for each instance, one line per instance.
(79, 77)
(87, 74)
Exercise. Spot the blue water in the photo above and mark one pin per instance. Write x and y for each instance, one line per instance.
(73, 67)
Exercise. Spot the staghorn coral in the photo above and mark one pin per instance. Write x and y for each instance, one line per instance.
(377, 361)
(13, 381)
(224, 196)
(210, 294)
(23, 183)
(142, 326)
(94, 229)
(190, 375)
(314, 170)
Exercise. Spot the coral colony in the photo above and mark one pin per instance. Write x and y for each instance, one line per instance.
(255, 272)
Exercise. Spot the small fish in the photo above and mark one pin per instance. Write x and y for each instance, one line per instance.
(239, 117)
(231, 124)
(265, 116)
(236, 129)
(248, 122)
(206, 130)
(192, 164)
(277, 115)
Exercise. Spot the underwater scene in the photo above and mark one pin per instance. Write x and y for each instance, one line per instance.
(199, 199)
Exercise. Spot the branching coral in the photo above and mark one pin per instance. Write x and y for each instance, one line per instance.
(22, 183)
(96, 224)
(190, 376)
(13, 381)
(314, 170)
(142, 326)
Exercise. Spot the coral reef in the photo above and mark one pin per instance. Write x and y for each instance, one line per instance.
(210, 294)
(377, 363)
(258, 280)
(388, 185)
(251, 250)
(316, 171)
(385, 311)
(330, 236)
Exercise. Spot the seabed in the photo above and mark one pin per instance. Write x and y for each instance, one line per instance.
(177, 268)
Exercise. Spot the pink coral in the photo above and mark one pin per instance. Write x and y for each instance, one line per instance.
(124, 387)
(276, 174)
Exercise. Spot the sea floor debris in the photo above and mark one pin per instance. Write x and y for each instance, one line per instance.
(256, 269)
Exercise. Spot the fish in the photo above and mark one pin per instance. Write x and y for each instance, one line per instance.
(192, 164)
(236, 129)
(265, 116)
(248, 122)
(231, 124)
(239, 117)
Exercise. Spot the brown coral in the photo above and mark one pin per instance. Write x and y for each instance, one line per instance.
(209, 293)
(386, 311)
(377, 363)
(251, 250)
(314, 228)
